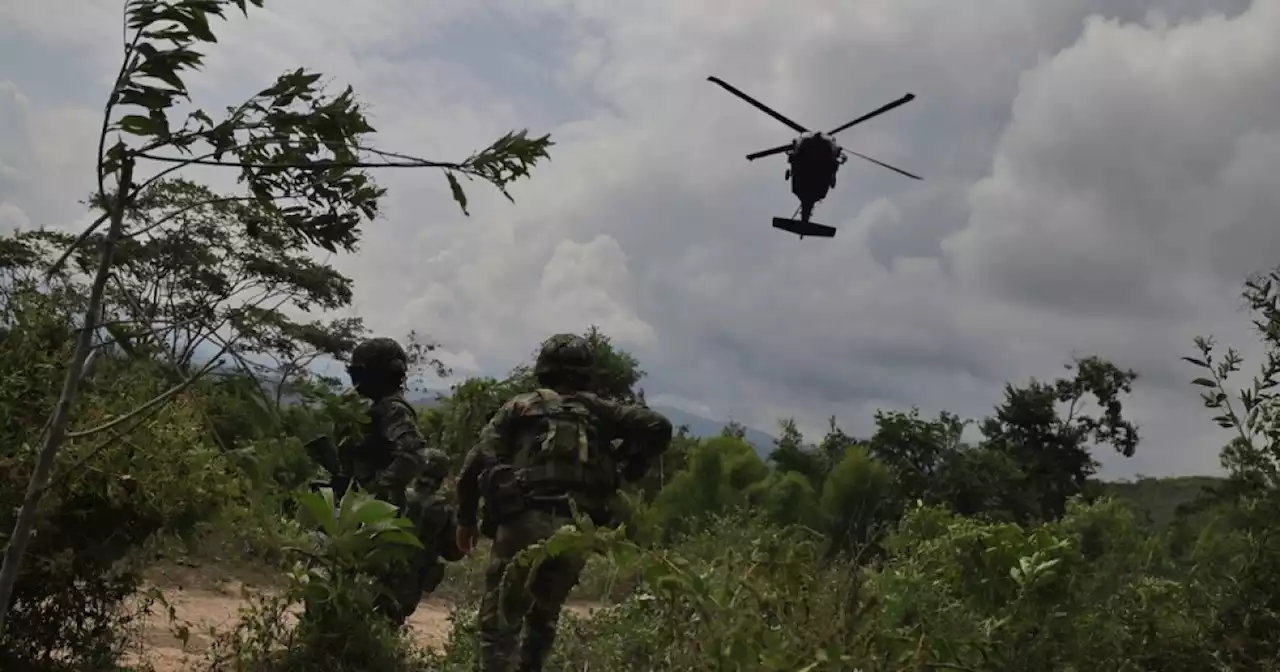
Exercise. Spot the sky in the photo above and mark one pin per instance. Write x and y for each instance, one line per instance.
(1100, 177)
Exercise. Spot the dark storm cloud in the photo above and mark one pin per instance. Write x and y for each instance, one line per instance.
(1080, 197)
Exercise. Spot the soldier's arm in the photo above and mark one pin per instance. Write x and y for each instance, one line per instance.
(480, 457)
(409, 451)
(639, 425)
(435, 470)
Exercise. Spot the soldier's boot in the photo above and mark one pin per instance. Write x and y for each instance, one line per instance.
(430, 576)
(390, 608)
(498, 648)
(400, 595)
(539, 636)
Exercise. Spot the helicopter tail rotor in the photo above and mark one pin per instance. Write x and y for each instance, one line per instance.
(759, 105)
(875, 113)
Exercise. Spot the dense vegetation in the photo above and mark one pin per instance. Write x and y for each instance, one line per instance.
(134, 417)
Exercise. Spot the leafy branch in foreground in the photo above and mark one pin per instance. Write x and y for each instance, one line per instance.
(1253, 455)
(300, 155)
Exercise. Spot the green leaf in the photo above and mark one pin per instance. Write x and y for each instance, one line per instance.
(137, 124)
(198, 24)
(459, 195)
(400, 537)
(317, 509)
(367, 512)
(1204, 382)
(122, 339)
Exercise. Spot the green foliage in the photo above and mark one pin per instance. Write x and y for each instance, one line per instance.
(723, 473)
(1052, 447)
(178, 266)
(911, 550)
(857, 499)
(116, 492)
(335, 584)
(1161, 501)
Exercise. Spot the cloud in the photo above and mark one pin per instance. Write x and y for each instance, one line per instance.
(1100, 176)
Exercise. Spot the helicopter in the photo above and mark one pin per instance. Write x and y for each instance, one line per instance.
(814, 159)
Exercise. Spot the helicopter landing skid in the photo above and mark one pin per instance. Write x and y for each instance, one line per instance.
(803, 229)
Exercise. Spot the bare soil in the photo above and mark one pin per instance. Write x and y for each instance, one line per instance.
(207, 598)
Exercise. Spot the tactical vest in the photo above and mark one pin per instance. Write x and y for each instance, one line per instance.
(558, 450)
(373, 453)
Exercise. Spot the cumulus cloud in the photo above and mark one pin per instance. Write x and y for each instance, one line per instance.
(1100, 176)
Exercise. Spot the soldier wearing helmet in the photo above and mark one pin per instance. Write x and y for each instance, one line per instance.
(395, 464)
(542, 454)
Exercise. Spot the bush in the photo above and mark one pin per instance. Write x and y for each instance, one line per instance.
(113, 496)
(332, 589)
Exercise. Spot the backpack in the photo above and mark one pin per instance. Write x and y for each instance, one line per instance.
(558, 449)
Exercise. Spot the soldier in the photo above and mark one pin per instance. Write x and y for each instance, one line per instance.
(539, 452)
(395, 465)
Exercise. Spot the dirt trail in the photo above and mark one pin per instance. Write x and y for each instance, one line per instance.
(204, 604)
(218, 608)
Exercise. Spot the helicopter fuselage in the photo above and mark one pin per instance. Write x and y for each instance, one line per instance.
(814, 159)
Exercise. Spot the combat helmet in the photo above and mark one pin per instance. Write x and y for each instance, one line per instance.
(378, 356)
(564, 356)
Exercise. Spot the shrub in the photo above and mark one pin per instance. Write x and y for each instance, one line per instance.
(333, 587)
(114, 494)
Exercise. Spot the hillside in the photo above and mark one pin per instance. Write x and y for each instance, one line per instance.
(1159, 498)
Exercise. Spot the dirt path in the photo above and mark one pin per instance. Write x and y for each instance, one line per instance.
(204, 608)
(206, 605)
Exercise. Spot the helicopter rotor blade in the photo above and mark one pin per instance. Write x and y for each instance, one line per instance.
(769, 152)
(884, 165)
(758, 105)
(897, 103)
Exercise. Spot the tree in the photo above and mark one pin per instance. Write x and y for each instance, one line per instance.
(615, 376)
(195, 269)
(857, 501)
(734, 430)
(791, 455)
(1052, 449)
(835, 443)
(723, 472)
(979, 481)
(1252, 456)
(618, 372)
(300, 153)
(792, 499)
(1249, 501)
(915, 449)
(456, 421)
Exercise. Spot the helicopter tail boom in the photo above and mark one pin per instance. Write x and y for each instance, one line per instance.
(769, 152)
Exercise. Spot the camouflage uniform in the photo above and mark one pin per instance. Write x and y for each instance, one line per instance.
(537, 453)
(395, 464)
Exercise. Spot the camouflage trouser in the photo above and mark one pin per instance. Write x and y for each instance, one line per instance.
(537, 612)
(403, 588)
(406, 583)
